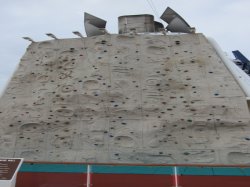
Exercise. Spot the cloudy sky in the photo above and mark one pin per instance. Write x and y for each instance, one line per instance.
(227, 21)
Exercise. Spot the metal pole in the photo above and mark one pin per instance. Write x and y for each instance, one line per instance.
(176, 176)
(241, 77)
(88, 176)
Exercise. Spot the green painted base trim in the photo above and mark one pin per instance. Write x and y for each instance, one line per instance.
(53, 168)
(145, 170)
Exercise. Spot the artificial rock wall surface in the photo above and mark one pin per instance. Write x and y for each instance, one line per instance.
(125, 99)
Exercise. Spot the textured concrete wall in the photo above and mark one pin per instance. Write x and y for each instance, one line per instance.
(125, 99)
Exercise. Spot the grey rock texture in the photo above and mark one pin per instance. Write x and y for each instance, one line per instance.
(125, 99)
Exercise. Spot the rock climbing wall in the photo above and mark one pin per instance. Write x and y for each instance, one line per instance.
(125, 99)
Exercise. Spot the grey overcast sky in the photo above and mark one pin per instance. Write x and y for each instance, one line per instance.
(227, 21)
